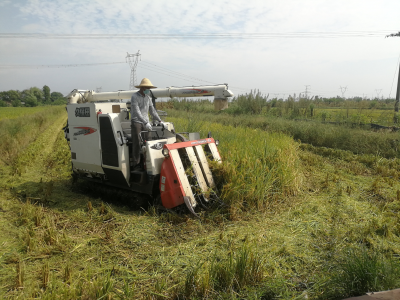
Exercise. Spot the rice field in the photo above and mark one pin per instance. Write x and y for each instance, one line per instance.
(384, 143)
(16, 112)
(300, 222)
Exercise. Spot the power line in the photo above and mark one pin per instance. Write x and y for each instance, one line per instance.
(171, 75)
(151, 67)
(162, 69)
(267, 35)
(165, 71)
(57, 66)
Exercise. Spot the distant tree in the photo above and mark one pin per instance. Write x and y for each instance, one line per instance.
(3, 103)
(30, 96)
(9, 96)
(16, 103)
(55, 96)
(46, 94)
(38, 93)
(30, 100)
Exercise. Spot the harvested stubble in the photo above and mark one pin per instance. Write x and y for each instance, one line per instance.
(66, 248)
(18, 132)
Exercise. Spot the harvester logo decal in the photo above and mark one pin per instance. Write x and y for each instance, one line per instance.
(196, 91)
(84, 130)
(82, 112)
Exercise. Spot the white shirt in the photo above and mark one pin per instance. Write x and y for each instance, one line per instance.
(140, 106)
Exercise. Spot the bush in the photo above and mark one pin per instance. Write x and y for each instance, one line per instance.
(16, 103)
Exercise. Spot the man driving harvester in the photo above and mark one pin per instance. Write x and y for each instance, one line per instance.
(141, 103)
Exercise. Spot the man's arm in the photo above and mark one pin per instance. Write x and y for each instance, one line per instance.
(153, 113)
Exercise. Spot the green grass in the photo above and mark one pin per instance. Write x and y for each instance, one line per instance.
(361, 270)
(19, 132)
(384, 144)
(346, 112)
(297, 215)
(16, 112)
(222, 275)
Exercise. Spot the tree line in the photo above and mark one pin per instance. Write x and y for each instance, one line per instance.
(31, 97)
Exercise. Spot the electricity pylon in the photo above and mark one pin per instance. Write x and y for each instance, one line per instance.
(132, 59)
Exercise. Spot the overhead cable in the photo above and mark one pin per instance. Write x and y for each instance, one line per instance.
(239, 35)
(152, 65)
(57, 66)
(167, 74)
(187, 77)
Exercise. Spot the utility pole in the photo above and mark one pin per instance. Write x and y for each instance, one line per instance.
(132, 59)
(343, 89)
(306, 92)
(396, 104)
(378, 92)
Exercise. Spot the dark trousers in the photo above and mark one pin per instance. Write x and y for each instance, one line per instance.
(136, 128)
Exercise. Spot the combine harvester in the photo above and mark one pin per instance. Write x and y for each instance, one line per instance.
(175, 168)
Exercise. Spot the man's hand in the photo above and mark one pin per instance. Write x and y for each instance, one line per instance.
(148, 127)
(161, 123)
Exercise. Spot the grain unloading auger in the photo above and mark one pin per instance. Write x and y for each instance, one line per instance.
(175, 169)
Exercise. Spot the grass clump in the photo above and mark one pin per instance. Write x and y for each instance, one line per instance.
(222, 275)
(359, 271)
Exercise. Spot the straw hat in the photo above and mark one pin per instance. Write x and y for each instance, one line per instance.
(145, 83)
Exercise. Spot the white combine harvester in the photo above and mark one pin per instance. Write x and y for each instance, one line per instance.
(175, 168)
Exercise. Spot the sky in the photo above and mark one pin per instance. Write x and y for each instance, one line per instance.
(326, 48)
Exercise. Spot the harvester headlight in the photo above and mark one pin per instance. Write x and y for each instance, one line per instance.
(165, 152)
(217, 142)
